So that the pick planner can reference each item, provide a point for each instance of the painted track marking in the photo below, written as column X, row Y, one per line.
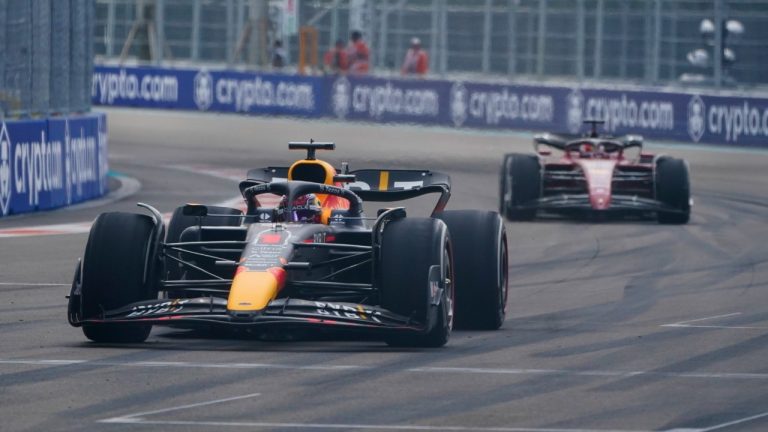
column 734, row 422
column 424, row 370
column 138, row 418
column 687, row 324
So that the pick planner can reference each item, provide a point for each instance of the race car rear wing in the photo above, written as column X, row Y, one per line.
column 373, row 185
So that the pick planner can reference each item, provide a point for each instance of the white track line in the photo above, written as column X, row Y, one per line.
column 32, row 284
column 595, row 373
column 352, row 426
column 132, row 418
column 687, row 324
column 137, row 418
column 735, row 422
column 682, row 323
column 424, row 370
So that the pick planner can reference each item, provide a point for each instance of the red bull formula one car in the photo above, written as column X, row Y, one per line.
column 595, row 174
column 315, row 261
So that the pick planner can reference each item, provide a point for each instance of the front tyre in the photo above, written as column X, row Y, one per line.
column 519, row 185
column 673, row 189
column 480, row 255
column 116, row 256
column 416, row 256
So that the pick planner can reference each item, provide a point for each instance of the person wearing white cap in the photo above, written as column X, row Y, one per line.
column 416, row 61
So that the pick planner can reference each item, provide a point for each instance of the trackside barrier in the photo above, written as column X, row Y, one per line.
column 50, row 163
column 667, row 115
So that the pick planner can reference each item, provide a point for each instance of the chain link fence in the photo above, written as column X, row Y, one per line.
column 47, row 56
column 641, row 41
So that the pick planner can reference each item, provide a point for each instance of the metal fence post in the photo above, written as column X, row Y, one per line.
column 443, row 37
column 511, row 38
column 624, row 42
column 487, row 29
column 656, row 51
column 400, row 42
column 541, row 38
column 334, row 22
column 598, row 60
column 87, row 78
column 159, row 21
column 109, row 37
column 61, row 56
column 647, row 40
column 195, row 51
column 718, row 48
column 673, row 46
column 3, row 85
column 78, row 41
column 434, row 32
column 580, row 39
column 383, row 27
column 41, row 56
column 370, row 5
column 230, row 44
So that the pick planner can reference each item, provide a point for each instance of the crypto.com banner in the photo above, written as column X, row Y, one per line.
column 204, row 90
column 52, row 163
column 677, row 116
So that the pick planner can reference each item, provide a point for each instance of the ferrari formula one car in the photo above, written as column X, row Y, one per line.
column 596, row 174
column 313, row 261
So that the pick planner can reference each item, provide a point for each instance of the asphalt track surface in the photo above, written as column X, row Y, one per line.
column 611, row 326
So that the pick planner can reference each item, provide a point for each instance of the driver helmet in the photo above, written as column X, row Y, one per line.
column 587, row 149
column 306, row 208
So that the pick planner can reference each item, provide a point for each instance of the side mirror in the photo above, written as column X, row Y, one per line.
column 197, row 210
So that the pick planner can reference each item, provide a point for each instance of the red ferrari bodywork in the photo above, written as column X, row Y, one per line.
column 594, row 172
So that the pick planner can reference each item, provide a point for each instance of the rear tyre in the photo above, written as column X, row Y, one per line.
column 409, row 250
column 673, row 188
column 179, row 222
column 480, row 254
column 519, row 184
column 115, row 260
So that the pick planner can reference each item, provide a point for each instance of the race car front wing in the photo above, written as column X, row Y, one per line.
column 582, row 202
column 280, row 313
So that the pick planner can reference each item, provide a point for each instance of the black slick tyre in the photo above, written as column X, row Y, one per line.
column 519, row 184
column 410, row 248
column 673, row 189
column 480, row 256
column 179, row 222
column 113, row 270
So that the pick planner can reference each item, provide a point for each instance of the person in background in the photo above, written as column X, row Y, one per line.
column 416, row 61
column 358, row 54
column 335, row 59
column 278, row 54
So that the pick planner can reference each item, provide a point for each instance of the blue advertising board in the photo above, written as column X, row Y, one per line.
column 656, row 114
column 204, row 90
column 387, row 100
column 51, row 163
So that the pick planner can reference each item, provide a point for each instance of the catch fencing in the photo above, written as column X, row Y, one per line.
column 47, row 56
column 639, row 41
